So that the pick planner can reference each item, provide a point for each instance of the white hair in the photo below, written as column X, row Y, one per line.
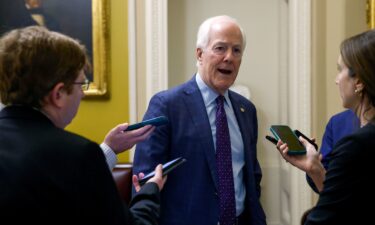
column 203, row 35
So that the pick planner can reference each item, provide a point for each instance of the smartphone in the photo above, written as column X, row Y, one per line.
column 271, row 139
column 299, row 133
column 286, row 135
column 167, row 168
column 157, row 121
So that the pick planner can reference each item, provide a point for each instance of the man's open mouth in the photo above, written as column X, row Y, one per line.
column 225, row 71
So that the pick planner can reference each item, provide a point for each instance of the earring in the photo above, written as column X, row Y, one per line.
column 356, row 91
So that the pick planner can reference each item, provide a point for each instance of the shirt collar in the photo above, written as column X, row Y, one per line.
column 208, row 94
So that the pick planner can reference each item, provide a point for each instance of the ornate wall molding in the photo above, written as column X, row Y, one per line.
column 300, row 99
column 156, row 46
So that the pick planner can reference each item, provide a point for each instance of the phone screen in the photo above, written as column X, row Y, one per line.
column 285, row 134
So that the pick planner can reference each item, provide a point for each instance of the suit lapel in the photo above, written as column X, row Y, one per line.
column 239, row 111
column 242, row 120
column 196, row 108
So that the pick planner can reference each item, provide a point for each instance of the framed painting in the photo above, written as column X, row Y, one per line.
column 85, row 20
column 100, row 35
column 370, row 12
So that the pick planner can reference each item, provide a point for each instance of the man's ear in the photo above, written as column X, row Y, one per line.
column 198, row 54
column 57, row 95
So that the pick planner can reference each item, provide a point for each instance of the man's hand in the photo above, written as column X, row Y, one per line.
column 119, row 140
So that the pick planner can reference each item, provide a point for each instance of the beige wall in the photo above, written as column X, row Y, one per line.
column 333, row 21
column 141, row 58
column 260, row 69
column 265, row 63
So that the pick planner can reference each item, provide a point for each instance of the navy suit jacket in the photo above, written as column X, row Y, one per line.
column 190, row 194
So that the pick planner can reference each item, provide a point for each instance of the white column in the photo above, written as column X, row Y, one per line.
column 132, row 88
column 299, row 81
column 156, row 46
column 132, row 43
column 156, row 20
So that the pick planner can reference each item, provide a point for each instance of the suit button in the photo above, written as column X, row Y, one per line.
column 216, row 194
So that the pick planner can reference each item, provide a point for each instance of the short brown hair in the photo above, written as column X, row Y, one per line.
column 33, row 60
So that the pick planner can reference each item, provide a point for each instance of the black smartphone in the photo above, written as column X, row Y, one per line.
column 167, row 168
column 299, row 133
column 157, row 121
column 271, row 139
column 286, row 135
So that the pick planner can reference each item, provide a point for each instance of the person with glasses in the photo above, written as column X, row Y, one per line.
column 117, row 140
column 49, row 175
column 85, row 85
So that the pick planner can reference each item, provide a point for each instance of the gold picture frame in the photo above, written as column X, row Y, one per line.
column 87, row 21
column 370, row 11
column 100, row 37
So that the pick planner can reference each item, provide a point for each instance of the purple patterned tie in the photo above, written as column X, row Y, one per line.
column 224, row 166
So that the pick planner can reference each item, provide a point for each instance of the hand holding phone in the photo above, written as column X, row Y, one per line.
column 286, row 135
column 157, row 121
column 167, row 168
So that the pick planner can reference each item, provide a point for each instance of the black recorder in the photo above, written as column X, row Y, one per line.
column 300, row 134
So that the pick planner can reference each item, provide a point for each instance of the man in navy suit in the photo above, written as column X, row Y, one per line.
column 191, row 193
column 49, row 175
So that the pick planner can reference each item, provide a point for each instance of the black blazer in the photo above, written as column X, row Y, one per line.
column 348, row 191
column 51, row 176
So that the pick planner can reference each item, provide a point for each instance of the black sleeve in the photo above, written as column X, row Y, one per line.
column 325, row 162
column 311, row 183
column 100, row 202
column 340, row 200
column 145, row 205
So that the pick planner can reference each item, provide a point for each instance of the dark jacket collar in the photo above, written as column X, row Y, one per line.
column 23, row 112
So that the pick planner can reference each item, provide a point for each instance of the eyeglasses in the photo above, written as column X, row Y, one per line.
column 84, row 85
